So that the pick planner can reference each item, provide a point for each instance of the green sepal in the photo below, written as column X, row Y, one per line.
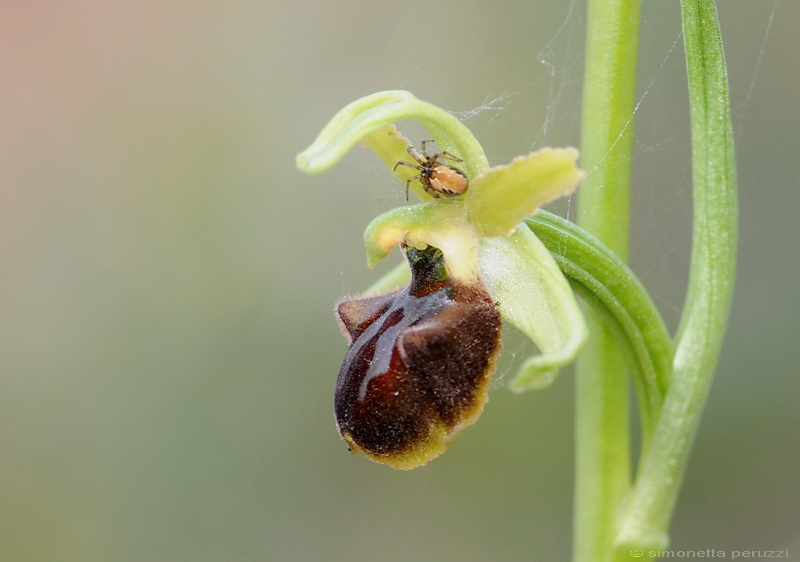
column 536, row 298
column 361, row 118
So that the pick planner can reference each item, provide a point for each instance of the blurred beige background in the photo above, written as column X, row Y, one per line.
column 167, row 345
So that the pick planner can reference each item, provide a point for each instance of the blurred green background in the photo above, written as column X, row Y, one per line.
column 168, row 350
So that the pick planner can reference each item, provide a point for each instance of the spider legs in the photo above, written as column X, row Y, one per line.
column 410, row 165
column 444, row 154
column 412, row 178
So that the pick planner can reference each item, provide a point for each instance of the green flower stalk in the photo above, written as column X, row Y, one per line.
column 483, row 245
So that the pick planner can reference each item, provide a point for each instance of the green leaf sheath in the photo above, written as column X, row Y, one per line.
column 611, row 287
column 711, row 277
column 715, row 205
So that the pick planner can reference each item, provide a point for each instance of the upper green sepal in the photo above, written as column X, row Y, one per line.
column 359, row 119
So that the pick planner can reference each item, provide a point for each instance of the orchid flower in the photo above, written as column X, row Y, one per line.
column 420, row 356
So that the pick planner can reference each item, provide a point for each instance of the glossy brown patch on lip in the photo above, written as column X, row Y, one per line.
column 419, row 364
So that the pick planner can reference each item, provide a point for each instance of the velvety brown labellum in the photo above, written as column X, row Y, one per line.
column 419, row 364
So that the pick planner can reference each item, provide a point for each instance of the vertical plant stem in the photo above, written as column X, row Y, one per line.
column 602, row 442
column 711, row 277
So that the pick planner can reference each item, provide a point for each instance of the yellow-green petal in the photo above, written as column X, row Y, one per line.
column 391, row 147
column 535, row 297
column 502, row 197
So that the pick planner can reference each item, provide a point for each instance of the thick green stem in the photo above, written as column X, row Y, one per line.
column 603, row 456
column 705, row 314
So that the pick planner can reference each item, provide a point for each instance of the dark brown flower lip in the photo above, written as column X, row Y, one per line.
column 419, row 364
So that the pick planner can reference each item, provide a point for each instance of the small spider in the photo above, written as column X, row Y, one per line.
column 438, row 179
